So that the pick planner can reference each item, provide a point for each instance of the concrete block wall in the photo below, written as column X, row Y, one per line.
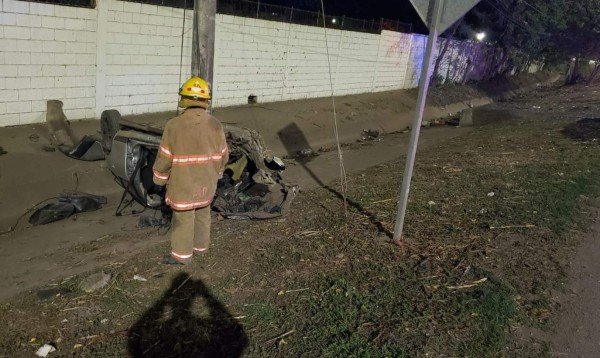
column 143, row 56
column 46, row 52
column 393, row 62
column 280, row 61
column 126, row 55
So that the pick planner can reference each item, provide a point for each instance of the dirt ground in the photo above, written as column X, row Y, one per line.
column 29, row 174
column 269, row 280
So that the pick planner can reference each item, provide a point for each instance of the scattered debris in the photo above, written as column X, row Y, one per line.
column 283, row 292
column 537, row 107
column 274, row 340
column 47, row 294
column 88, row 149
column 77, row 346
column 65, row 206
column 34, row 137
column 48, row 148
column 426, row 124
column 104, row 321
column 431, row 203
column 528, row 226
column 139, row 278
column 490, row 194
column 44, row 350
column 371, row 134
column 95, row 282
column 305, row 153
column 468, row 285
column 151, row 221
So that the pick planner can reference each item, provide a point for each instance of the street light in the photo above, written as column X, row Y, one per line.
column 480, row 36
column 334, row 21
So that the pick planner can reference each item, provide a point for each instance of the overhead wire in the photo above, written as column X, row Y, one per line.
column 181, row 54
column 510, row 19
column 343, row 178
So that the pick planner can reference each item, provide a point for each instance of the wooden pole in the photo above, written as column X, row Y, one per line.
column 203, row 47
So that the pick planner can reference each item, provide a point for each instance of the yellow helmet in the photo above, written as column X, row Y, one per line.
column 196, row 88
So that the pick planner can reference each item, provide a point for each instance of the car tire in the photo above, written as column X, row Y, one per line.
column 110, row 123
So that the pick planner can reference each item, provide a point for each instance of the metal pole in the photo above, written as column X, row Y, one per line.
column 416, row 128
column 292, row 15
column 343, row 20
column 257, row 8
column 318, row 17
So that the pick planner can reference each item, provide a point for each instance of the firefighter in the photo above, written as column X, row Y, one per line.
column 191, row 158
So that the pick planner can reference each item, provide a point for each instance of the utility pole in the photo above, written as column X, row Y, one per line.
column 203, row 43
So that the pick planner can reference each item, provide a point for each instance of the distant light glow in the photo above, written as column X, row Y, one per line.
column 592, row 62
column 480, row 36
column 334, row 21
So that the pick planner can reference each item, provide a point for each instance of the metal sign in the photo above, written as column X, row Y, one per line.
column 452, row 10
column 438, row 15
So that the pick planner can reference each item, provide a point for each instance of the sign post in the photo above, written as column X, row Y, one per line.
column 438, row 18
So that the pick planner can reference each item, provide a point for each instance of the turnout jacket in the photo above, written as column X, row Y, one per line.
column 191, row 158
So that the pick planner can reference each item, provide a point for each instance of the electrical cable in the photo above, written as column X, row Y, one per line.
column 510, row 19
column 343, row 179
column 181, row 54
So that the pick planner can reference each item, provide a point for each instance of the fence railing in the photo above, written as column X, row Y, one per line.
column 258, row 10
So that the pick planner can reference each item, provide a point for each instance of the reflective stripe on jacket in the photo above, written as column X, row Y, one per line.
column 192, row 156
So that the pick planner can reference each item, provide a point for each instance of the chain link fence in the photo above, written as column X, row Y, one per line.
column 258, row 10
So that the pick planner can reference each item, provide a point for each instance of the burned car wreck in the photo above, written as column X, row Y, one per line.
column 252, row 186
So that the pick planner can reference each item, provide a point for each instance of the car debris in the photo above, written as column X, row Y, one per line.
column 306, row 153
column 66, row 205
column 371, row 134
column 252, row 186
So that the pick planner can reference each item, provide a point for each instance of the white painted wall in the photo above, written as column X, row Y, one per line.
column 279, row 61
column 46, row 52
column 126, row 56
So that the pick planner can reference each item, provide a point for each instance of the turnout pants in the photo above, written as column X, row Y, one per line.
column 191, row 233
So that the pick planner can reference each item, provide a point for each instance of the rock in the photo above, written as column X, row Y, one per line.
column 426, row 124
column 466, row 118
column 95, row 282
column 45, row 350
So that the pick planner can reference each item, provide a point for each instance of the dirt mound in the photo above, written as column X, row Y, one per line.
column 587, row 129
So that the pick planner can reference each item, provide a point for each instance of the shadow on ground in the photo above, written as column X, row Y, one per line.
column 294, row 139
column 171, row 329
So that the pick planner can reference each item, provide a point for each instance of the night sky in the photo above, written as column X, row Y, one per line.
column 373, row 9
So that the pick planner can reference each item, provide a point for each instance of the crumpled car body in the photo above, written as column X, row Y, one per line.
column 252, row 186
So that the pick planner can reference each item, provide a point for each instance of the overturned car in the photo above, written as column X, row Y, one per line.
column 252, row 186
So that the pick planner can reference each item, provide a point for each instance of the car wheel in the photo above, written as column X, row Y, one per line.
column 110, row 123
